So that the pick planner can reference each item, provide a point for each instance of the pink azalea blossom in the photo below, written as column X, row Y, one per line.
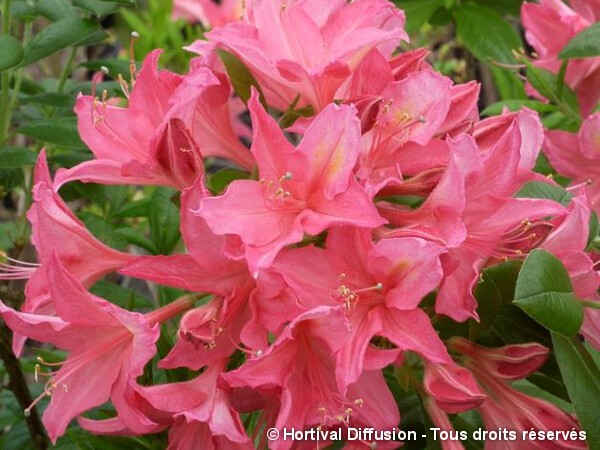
column 380, row 285
column 569, row 242
column 309, row 48
column 473, row 213
column 577, row 156
column 207, row 422
column 56, row 229
column 107, row 348
column 214, row 330
column 163, row 134
column 508, row 408
column 549, row 26
column 440, row 420
column 453, row 388
column 305, row 189
column 298, row 374
column 210, row 13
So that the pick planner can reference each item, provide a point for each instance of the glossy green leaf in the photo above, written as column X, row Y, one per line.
column 486, row 33
column 56, row 9
column 496, row 288
column 163, row 219
column 584, row 44
column 98, row 7
column 11, row 51
column 418, row 12
column 594, row 228
column 545, row 293
column 11, row 157
column 515, row 105
column 60, row 131
column 58, row 99
column 57, row 36
column 582, row 378
column 221, row 179
column 241, row 78
column 539, row 189
column 546, row 84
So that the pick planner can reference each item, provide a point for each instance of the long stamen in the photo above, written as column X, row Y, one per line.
column 16, row 269
column 132, row 66
column 350, row 297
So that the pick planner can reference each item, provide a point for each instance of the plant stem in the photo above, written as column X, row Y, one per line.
column 5, row 81
column 18, row 386
column 589, row 304
column 66, row 70
column 19, row 75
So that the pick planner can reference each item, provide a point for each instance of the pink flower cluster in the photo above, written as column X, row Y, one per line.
column 354, row 231
column 550, row 26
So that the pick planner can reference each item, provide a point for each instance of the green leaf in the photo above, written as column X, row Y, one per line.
column 56, row 9
column 12, row 157
column 57, row 99
column 103, row 230
column 120, row 295
column 594, row 228
column 220, row 180
column 584, row 44
column 539, row 189
column 163, row 219
column 582, row 378
column 241, row 78
column 97, row 7
column 515, row 105
column 57, row 36
column 11, row 51
column 512, row 7
column 418, row 12
column 134, row 237
column 60, row 131
column 546, row 83
column 545, row 293
column 11, row 178
column 497, row 288
column 486, row 33
column 508, row 84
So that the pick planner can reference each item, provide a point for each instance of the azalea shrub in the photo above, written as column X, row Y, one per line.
column 299, row 219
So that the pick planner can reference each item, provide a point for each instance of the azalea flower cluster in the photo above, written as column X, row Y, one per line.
column 550, row 25
column 354, row 229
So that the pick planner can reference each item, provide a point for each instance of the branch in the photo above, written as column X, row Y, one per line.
column 18, row 386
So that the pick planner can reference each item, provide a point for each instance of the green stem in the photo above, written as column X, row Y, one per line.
column 588, row 304
column 66, row 70
column 20, row 71
column 5, row 81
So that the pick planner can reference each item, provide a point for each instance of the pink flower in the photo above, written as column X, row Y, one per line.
column 309, row 48
column 203, row 417
column 568, row 242
column 214, row 330
column 56, row 229
column 297, row 376
column 577, row 156
column 473, row 213
column 305, row 189
column 453, row 388
column 440, row 420
column 107, row 349
column 163, row 134
column 208, row 12
column 411, row 111
column 380, row 285
column 549, row 26
column 508, row 408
